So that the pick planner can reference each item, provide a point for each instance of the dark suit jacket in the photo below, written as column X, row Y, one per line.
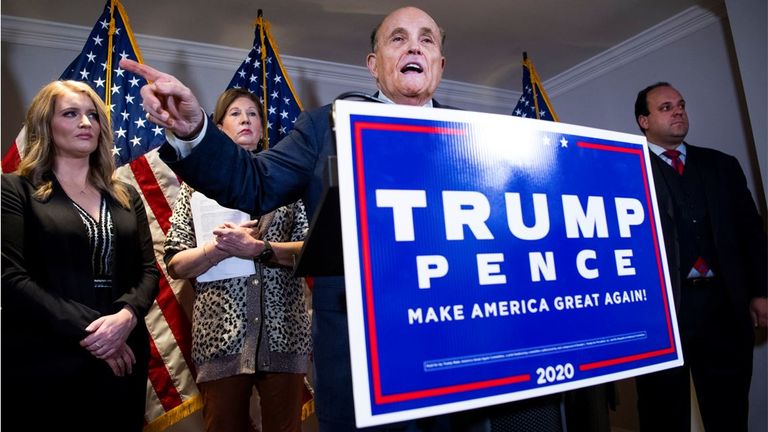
column 48, row 298
column 736, row 226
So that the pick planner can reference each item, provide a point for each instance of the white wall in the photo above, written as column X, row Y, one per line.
column 748, row 20
column 702, row 66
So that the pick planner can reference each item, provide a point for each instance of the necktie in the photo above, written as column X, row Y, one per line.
column 701, row 266
column 677, row 163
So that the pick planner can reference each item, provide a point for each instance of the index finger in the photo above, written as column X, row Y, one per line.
column 148, row 72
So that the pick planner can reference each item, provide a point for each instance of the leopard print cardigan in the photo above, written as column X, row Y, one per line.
column 247, row 324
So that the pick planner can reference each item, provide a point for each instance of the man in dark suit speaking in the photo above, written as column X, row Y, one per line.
column 716, row 250
column 407, row 63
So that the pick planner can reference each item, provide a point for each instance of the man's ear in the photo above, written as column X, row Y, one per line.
column 370, row 62
column 643, row 122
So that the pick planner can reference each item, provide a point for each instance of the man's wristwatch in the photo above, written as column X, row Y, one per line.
column 266, row 254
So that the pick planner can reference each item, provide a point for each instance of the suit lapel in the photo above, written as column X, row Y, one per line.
column 661, row 171
column 663, row 192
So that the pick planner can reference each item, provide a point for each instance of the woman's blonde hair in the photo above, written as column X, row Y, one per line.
column 39, row 153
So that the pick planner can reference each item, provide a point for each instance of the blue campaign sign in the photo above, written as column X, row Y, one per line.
column 491, row 258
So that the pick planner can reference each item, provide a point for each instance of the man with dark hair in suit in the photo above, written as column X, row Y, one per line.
column 716, row 250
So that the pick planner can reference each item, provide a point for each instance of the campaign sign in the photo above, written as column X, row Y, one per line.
column 490, row 258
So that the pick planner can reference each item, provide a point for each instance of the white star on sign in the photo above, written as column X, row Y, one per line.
column 563, row 142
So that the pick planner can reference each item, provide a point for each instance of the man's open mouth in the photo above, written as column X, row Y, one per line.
column 412, row 67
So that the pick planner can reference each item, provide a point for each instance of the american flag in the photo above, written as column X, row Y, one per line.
column 263, row 74
column 171, row 390
column 533, row 103
column 98, row 65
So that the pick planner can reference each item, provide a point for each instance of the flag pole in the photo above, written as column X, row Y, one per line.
column 260, row 25
column 110, row 35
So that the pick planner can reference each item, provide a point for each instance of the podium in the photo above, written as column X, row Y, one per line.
column 322, row 253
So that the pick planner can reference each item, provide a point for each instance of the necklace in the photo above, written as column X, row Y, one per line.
column 82, row 190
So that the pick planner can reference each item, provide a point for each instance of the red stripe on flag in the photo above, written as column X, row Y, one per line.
column 11, row 159
column 161, row 380
column 177, row 321
column 152, row 192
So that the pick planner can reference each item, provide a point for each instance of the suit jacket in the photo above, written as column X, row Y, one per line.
column 736, row 226
column 47, row 281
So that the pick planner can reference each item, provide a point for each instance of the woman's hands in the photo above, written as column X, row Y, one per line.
column 238, row 240
column 107, row 338
column 122, row 361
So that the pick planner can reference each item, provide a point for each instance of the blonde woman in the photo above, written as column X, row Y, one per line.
column 78, row 274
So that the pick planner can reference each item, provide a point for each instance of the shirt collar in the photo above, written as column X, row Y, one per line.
column 659, row 150
column 384, row 98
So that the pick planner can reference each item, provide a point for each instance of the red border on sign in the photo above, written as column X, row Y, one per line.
column 380, row 398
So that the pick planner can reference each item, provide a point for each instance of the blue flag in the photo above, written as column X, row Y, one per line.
column 263, row 74
column 533, row 103
column 110, row 41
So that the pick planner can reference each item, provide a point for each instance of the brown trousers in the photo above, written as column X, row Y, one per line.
column 227, row 401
